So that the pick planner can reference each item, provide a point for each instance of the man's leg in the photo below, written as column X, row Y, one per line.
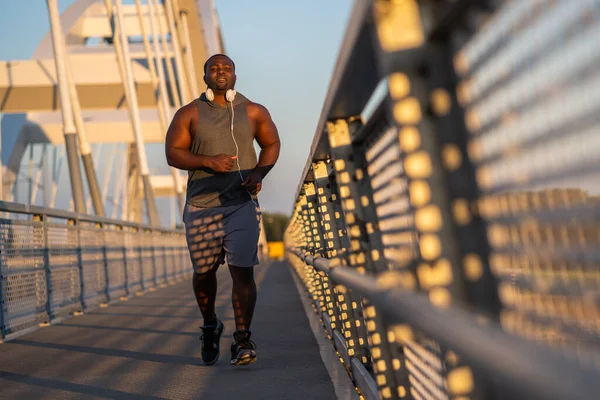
column 243, row 296
column 241, row 245
column 204, row 234
column 205, row 290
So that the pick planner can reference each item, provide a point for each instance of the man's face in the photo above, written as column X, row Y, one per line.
column 220, row 75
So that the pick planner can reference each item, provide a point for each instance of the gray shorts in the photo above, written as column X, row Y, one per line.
column 219, row 234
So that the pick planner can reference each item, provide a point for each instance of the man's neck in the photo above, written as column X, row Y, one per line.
column 220, row 98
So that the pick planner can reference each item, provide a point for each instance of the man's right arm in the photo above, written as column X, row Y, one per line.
column 179, row 139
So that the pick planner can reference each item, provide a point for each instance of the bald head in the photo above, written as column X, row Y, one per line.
column 217, row 56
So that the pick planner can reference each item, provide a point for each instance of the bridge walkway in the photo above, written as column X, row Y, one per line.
column 147, row 348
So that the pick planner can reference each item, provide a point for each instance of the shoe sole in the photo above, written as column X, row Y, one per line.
column 212, row 362
column 245, row 359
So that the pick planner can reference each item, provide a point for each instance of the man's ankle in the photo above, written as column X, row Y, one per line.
column 242, row 335
column 211, row 322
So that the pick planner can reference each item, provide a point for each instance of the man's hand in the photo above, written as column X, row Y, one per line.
column 253, row 182
column 222, row 163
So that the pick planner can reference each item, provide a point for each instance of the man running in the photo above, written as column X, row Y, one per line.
column 213, row 139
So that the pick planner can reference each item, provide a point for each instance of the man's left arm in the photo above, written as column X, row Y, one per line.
column 267, row 138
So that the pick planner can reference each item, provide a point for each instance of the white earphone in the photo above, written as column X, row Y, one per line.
column 230, row 96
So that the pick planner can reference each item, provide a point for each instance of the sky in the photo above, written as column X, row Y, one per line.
column 284, row 52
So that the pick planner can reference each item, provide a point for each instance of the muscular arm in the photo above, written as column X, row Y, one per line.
column 179, row 139
column 268, row 140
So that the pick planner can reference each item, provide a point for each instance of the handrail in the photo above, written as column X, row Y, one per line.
column 19, row 208
column 531, row 368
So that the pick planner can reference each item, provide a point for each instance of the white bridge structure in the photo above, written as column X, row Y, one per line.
column 84, row 120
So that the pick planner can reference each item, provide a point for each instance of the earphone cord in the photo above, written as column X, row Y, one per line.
column 237, row 152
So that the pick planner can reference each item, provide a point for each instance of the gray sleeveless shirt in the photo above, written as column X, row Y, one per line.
column 205, row 187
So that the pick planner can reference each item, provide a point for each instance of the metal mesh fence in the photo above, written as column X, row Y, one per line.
column 54, row 264
column 24, row 290
column 91, row 238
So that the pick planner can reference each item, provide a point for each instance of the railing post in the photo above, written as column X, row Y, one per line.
column 139, row 243
column 164, row 256
column 124, row 251
column 2, row 300
column 184, row 255
column 172, row 256
column 80, row 264
column 168, row 262
column 42, row 218
column 105, row 258
column 153, row 250
column 178, row 258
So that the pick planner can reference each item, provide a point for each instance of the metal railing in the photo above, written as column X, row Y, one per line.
column 446, row 223
column 55, row 263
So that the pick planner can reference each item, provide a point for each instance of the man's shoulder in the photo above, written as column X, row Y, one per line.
column 256, row 110
column 189, row 110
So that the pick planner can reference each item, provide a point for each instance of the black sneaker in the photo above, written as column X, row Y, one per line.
column 243, row 350
column 211, row 335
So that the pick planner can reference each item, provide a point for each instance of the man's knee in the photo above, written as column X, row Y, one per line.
column 206, row 272
column 242, row 274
